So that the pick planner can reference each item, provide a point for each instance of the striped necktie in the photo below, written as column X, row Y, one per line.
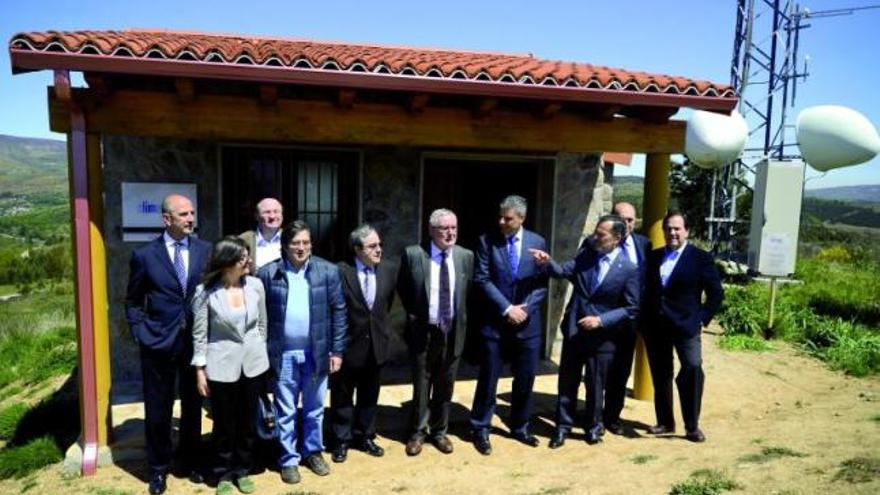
column 179, row 266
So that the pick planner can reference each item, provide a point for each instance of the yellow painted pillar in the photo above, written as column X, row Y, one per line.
column 656, row 203
column 100, row 302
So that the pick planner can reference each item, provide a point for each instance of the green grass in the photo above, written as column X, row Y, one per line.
column 17, row 462
column 36, row 356
column 739, row 342
column 833, row 314
column 859, row 470
column 768, row 454
column 642, row 458
column 705, row 482
column 9, row 419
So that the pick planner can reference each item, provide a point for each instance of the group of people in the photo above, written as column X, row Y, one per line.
column 260, row 312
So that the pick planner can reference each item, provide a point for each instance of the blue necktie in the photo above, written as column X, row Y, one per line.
column 512, row 255
column 369, row 292
column 444, row 310
column 179, row 266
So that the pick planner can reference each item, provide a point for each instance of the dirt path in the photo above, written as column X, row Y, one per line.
column 752, row 401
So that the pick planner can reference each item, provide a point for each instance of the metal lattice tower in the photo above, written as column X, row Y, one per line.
column 764, row 72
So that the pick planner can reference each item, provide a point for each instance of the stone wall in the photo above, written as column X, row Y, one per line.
column 581, row 198
column 131, row 159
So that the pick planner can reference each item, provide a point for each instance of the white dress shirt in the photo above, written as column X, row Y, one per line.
column 605, row 263
column 629, row 245
column 169, row 246
column 670, row 259
column 268, row 250
column 434, row 299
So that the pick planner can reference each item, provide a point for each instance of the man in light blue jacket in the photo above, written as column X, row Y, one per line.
column 306, row 341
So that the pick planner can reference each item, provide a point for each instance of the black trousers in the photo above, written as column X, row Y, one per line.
column 619, row 371
column 690, row 377
column 161, row 372
column 581, row 362
column 234, row 406
column 434, row 371
column 347, row 419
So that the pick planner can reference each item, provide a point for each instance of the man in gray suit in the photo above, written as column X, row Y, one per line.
column 433, row 285
column 605, row 297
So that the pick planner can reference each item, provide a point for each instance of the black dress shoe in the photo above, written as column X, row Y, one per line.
column 340, row 453
column 482, row 445
column 192, row 474
column 696, row 435
column 593, row 437
column 614, row 428
column 661, row 429
column 369, row 446
column 527, row 438
column 157, row 484
column 557, row 441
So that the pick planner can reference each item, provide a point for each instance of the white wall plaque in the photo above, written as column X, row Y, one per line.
column 142, row 207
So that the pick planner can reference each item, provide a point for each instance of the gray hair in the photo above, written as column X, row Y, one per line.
column 436, row 215
column 518, row 204
column 618, row 226
column 357, row 236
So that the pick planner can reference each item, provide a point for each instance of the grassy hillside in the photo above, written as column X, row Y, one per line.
column 853, row 194
column 32, row 166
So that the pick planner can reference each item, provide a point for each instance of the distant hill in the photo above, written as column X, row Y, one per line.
column 29, row 165
column 849, row 194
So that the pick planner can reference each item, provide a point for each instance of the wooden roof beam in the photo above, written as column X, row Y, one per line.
column 186, row 89
column 485, row 107
column 243, row 118
column 418, row 102
column 345, row 98
column 268, row 95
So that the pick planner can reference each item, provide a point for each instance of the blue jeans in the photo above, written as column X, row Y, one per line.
column 298, row 378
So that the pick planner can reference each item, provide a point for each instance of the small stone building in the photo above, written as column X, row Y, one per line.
column 341, row 134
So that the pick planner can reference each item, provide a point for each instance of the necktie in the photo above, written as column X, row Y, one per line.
column 369, row 287
column 179, row 266
column 600, row 271
column 512, row 255
column 444, row 310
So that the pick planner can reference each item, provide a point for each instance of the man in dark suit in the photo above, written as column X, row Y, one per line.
column 675, row 313
column 163, row 276
column 368, row 286
column 605, row 298
column 433, row 285
column 514, row 287
column 636, row 248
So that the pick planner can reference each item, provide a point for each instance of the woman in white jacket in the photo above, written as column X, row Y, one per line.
column 229, row 353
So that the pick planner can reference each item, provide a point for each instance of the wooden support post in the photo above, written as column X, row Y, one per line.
column 656, row 202
column 79, row 198
column 100, row 301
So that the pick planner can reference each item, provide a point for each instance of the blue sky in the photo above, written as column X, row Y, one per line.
column 693, row 39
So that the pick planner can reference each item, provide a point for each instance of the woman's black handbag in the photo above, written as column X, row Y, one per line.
column 266, row 418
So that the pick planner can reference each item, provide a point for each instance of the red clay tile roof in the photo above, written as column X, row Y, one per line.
column 295, row 55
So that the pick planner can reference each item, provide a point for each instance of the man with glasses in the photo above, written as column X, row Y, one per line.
column 433, row 285
column 368, row 287
column 306, row 341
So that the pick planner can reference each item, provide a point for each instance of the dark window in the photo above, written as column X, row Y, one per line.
column 319, row 187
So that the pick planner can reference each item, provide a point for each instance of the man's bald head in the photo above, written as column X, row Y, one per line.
column 627, row 212
column 178, row 215
column 270, row 215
